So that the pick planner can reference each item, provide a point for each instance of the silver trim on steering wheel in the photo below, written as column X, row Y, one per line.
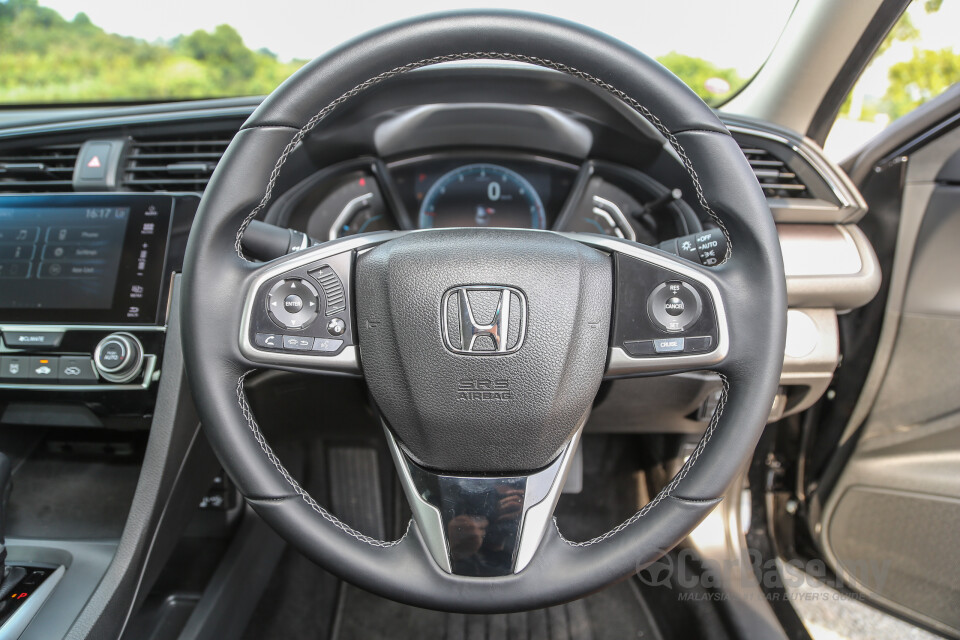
column 540, row 495
column 348, row 360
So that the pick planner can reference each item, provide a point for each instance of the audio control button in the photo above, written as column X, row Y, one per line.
column 293, row 303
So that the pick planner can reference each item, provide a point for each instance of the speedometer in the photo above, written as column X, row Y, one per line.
column 482, row 195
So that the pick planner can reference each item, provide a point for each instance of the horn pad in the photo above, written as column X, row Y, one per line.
column 483, row 348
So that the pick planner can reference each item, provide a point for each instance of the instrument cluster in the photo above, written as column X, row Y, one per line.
column 492, row 190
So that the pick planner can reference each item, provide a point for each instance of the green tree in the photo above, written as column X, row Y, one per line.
column 697, row 74
column 223, row 52
column 46, row 58
column 920, row 79
column 915, row 81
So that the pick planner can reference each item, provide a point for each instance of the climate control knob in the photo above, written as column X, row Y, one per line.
column 118, row 357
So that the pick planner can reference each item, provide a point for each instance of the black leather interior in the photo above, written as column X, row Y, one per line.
column 751, row 282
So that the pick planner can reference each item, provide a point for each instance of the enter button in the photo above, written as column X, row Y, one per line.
column 668, row 345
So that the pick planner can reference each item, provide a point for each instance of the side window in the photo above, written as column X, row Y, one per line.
column 917, row 61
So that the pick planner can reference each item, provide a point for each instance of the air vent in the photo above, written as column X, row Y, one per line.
column 774, row 175
column 48, row 168
column 173, row 164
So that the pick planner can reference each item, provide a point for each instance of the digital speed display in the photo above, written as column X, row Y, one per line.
column 482, row 195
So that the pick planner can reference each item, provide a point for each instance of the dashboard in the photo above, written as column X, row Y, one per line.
column 89, row 250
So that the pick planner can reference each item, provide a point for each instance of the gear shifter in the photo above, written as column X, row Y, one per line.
column 10, row 575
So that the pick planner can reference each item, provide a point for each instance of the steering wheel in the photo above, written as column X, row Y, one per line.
column 483, row 349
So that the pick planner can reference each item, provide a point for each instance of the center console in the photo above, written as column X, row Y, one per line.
column 99, row 443
column 84, row 296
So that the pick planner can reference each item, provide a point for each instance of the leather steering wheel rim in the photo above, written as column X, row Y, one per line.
column 750, row 281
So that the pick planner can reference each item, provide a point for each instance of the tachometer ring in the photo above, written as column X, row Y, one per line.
column 426, row 218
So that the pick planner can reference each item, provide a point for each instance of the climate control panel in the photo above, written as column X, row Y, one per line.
column 78, row 358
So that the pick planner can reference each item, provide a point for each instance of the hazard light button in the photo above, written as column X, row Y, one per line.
column 93, row 163
column 97, row 165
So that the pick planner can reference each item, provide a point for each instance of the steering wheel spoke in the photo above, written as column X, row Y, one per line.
column 298, row 310
column 669, row 315
column 482, row 526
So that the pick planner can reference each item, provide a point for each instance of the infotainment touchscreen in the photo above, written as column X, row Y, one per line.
column 82, row 258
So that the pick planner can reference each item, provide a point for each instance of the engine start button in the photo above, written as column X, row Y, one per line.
column 674, row 305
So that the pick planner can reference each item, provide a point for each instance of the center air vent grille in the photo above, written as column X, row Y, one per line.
column 776, row 178
column 48, row 168
column 166, row 164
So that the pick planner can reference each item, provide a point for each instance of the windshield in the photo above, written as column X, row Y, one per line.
column 65, row 51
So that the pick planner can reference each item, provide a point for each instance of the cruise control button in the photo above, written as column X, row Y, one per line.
column 268, row 340
column 76, row 370
column 668, row 345
column 326, row 344
column 32, row 339
column 297, row 343
column 44, row 368
column 14, row 367
column 674, row 306
column 698, row 343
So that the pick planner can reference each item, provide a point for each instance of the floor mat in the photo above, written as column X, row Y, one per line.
column 615, row 613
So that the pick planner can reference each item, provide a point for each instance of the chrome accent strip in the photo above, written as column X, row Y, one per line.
column 348, row 210
column 535, row 519
column 852, row 205
column 427, row 516
column 149, row 372
column 498, row 330
column 348, row 360
column 614, row 210
column 79, row 327
column 620, row 363
column 17, row 622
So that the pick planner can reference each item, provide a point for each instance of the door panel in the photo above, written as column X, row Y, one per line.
column 890, row 524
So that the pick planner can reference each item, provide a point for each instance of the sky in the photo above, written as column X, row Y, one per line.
column 711, row 29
